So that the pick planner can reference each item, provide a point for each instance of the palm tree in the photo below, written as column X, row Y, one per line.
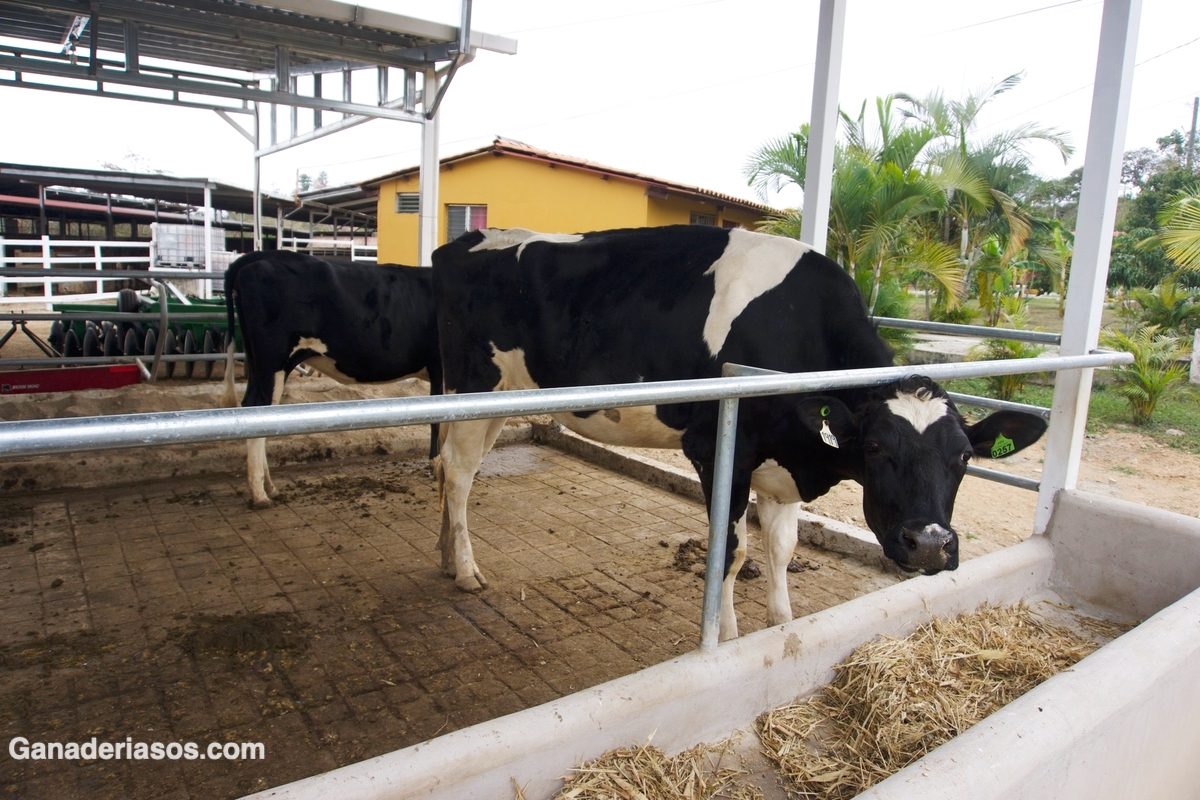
column 878, row 201
column 1180, row 231
column 1156, row 367
column 984, row 177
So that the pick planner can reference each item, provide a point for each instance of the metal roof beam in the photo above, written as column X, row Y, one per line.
column 143, row 80
column 99, row 91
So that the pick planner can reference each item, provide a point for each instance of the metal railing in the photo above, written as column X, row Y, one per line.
column 44, row 437
column 358, row 252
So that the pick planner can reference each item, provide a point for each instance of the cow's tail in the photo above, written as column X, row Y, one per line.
column 439, row 469
column 229, row 398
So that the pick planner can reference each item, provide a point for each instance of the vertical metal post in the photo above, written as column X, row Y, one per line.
column 295, row 110
column 43, row 225
column 718, row 524
column 208, row 214
column 257, row 182
column 427, row 235
column 132, row 57
column 278, row 227
column 316, row 93
column 274, row 117
column 345, row 89
column 822, row 129
column 410, row 90
column 381, row 84
column 1093, row 241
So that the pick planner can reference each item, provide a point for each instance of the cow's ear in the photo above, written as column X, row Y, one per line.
column 829, row 418
column 1004, row 433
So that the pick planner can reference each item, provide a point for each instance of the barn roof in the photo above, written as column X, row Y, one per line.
column 19, row 182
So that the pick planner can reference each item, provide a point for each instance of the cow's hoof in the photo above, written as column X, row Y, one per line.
column 470, row 583
column 259, row 505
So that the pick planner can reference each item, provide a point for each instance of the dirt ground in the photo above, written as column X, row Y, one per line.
column 144, row 599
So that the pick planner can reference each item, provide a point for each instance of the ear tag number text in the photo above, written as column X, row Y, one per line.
column 827, row 435
column 1002, row 446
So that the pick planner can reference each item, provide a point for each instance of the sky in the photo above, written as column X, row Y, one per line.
column 684, row 90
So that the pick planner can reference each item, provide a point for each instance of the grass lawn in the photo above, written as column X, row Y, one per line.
column 1179, row 411
column 1043, row 314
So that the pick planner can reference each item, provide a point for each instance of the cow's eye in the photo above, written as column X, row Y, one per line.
column 871, row 448
column 966, row 456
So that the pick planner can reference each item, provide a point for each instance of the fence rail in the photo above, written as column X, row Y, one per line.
column 358, row 252
column 44, row 437
column 49, row 259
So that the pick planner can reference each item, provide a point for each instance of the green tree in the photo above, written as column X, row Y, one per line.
column 1155, row 371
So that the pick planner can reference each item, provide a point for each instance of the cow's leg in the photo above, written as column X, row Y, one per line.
column 778, row 524
column 262, row 488
column 729, row 627
column 464, row 446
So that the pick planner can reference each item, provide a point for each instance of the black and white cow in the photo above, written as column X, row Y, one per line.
column 518, row 310
column 355, row 322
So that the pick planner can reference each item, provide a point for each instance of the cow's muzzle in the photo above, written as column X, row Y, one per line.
column 929, row 549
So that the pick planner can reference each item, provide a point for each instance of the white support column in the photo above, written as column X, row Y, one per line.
column 208, row 220
column 258, row 245
column 427, row 236
column 822, row 131
column 1093, row 241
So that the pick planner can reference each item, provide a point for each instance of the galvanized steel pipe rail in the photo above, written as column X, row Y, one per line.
column 44, row 437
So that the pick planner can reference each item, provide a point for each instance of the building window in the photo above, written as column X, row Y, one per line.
column 462, row 219
column 703, row 219
column 728, row 223
column 408, row 203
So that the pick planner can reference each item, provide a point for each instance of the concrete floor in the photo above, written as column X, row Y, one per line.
column 322, row 627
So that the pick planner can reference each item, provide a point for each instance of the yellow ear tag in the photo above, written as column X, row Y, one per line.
column 827, row 435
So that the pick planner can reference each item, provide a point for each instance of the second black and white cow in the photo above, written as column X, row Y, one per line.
column 355, row 322
column 518, row 310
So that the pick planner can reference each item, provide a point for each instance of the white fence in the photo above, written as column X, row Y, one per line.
column 48, row 254
column 332, row 247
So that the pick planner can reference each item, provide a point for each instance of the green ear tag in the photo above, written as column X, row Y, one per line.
column 824, row 411
column 1002, row 446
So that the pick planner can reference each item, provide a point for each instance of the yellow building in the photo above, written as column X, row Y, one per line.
column 512, row 185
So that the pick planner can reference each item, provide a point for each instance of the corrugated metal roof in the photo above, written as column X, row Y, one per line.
column 23, row 179
column 237, row 35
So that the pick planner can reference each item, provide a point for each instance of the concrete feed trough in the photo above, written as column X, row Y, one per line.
column 1119, row 724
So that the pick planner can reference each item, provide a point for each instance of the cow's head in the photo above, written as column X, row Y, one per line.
column 908, row 446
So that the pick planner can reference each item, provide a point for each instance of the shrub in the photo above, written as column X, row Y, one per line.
column 1155, row 370
column 1006, row 387
column 1168, row 306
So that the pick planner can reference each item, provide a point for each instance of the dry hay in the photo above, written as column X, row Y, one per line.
column 646, row 773
column 894, row 700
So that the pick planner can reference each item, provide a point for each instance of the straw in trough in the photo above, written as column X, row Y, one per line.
column 894, row 700
column 647, row 773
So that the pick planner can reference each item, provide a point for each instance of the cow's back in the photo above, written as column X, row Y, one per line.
column 646, row 304
column 375, row 321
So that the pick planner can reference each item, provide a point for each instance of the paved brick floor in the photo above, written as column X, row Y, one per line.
column 322, row 626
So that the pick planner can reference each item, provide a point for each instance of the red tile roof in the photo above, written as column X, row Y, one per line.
column 501, row 146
